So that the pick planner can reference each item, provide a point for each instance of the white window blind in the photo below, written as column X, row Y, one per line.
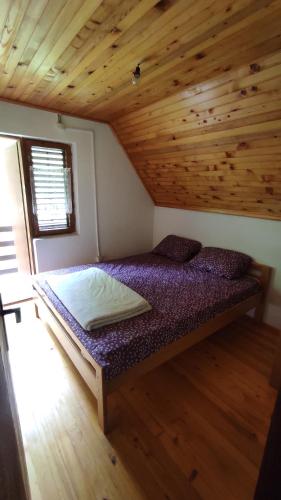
column 49, row 174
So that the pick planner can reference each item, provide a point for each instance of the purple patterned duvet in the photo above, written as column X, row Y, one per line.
column 182, row 299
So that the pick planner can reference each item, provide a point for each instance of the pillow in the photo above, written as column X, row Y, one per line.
column 227, row 263
column 177, row 248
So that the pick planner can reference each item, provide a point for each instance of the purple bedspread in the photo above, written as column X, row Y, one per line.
column 182, row 299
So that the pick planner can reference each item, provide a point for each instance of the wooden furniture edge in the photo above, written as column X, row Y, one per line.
column 188, row 340
column 263, row 273
column 93, row 373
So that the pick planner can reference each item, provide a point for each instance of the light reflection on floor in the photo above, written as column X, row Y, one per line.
column 40, row 369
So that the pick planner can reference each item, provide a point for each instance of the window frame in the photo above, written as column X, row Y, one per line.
column 26, row 145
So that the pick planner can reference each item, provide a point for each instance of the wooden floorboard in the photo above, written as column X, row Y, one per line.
column 194, row 428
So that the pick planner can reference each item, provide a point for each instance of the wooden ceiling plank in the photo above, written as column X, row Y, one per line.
column 103, row 60
column 272, row 44
column 151, row 163
column 50, row 29
column 5, row 9
column 226, row 183
column 218, row 198
column 153, row 31
column 147, row 42
column 106, row 34
column 70, row 20
column 13, row 20
column 212, row 205
column 222, row 211
column 140, row 10
column 231, row 197
column 217, row 122
column 250, row 54
column 240, row 132
column 229, row 153
column 200, row 28
column 256, row 105
column 186, row 97
column 220, row 162
column 172, row 63
column 48, row 17
column 211, row 192
column 76, row 24
column 245, row 175
column 207, row 171
column 190, row 197
column 21, row 39
column 229, row 144
column 144, row 50
column 201, row 132
column 215, row 200
column 226, row 143
column 224, row 96
column 93, row 32
column 235, row 174
column 90, row 35
column 184, row 184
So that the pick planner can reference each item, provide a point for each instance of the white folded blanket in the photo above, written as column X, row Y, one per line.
column 96, row 299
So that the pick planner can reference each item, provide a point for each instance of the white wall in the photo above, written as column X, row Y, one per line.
column 124, row 207
column 258, row 237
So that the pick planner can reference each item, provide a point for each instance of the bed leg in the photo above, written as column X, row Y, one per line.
column 102, row 404
column 259, row 311
column 102, row 414
column 265, row 281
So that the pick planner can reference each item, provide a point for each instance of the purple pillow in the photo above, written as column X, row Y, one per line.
column 177, row 248
column 227, row 263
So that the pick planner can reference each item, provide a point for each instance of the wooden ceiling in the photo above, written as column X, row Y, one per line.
column 203, row 125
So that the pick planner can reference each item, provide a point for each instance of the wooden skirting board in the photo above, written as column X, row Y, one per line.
column 93, row 373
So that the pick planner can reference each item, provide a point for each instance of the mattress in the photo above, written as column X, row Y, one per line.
column 181, row 297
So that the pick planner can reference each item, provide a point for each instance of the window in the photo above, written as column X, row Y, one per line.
column 49, row 188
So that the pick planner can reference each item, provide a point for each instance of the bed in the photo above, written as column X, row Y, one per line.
column 187, row 306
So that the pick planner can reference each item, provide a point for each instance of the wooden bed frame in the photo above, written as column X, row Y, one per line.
column 93, row 373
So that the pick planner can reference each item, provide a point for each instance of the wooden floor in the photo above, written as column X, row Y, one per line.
column 194, row 428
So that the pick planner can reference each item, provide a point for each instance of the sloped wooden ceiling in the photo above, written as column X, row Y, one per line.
column 203, row 125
